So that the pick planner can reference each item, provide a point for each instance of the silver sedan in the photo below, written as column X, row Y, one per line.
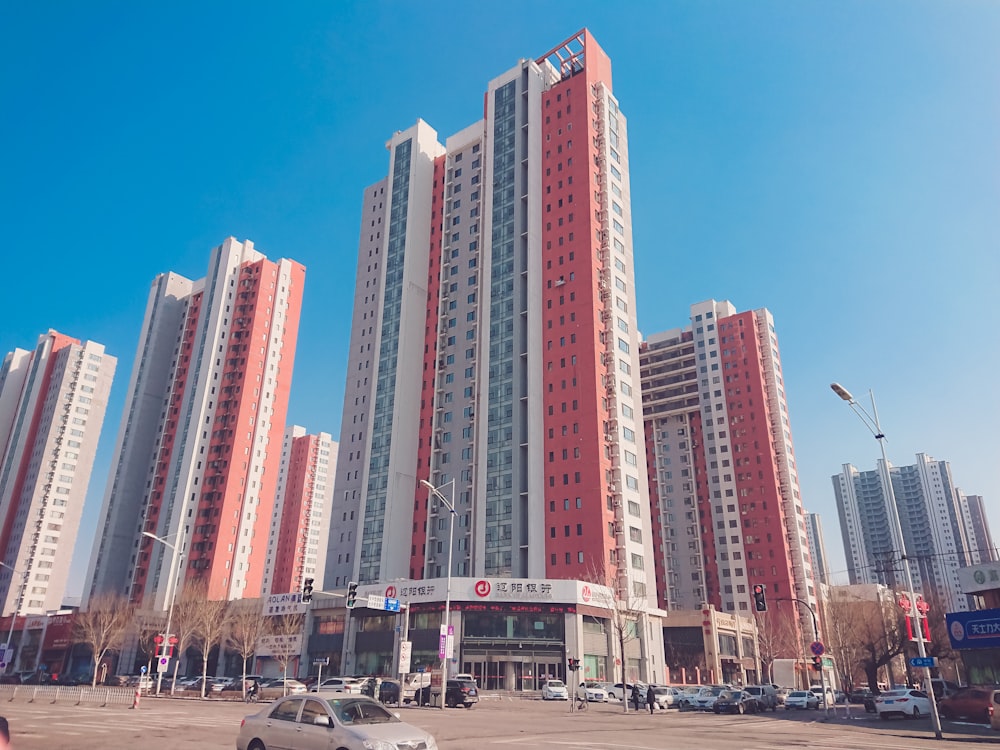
column 320, row 722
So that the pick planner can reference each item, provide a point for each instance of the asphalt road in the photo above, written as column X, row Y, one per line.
column 497, row 724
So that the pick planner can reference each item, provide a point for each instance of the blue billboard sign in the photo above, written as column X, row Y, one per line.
column 980, row 629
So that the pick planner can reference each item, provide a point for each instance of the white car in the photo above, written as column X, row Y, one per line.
column 317, row 721
column 906, row 703
column 706, row 698
column 554, row 690
column 801, row 699
column 665, row 697
column 592, row 692
column 618, row 691
column 350, row 685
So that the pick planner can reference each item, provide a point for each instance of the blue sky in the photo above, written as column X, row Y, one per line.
column 837, row 163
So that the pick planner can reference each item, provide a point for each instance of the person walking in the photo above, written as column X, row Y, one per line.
column 650, row 698
column 636, row 696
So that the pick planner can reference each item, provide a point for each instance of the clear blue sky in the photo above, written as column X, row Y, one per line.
column 837, row 163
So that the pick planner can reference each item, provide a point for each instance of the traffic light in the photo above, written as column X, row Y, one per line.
column 574, row 665
column 307, row 590
column 352, row 594
column 759, row 602
column 817, row 664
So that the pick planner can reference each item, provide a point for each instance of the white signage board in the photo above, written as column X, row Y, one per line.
column 405, row 654
column 285, row 604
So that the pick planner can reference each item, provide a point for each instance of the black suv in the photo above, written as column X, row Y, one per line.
column 458, row 693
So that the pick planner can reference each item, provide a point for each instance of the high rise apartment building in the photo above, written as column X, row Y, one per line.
column 52, row 405
column 300, row 521
column 199, row 446
column 817, row 549
column 930, row 518
column 977, row 528
column 494, row 345
column 723, row 481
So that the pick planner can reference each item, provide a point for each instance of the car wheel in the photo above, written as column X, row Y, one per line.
column 916, row 712
column 469, row 705
column 883, row 717
column 944, row 713
column 256, row 745
column 740, row 709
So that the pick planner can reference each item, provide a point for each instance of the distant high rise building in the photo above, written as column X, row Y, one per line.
column 722, row 476
column 197, row 456
column 977, row 528
column 494, row 345
column 52, row 405
column 300, row 522
column 817, row 548
column 931, row 520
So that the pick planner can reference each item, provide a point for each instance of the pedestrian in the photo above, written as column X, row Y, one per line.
column 650, row 698
column 636, row 696
column 4, row 734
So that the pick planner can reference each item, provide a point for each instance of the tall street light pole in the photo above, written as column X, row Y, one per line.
column 450, row 505
column 171, row 596
column 17, row 606
column 871, row 421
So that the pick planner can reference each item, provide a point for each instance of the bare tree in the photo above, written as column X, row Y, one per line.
column 210, row 622
column 148, row 625
column 184, row 622
column 285, row 631
column 869, row 633
column 625, row 609
column 775, row 637
column 247, row 625
column 103, row 626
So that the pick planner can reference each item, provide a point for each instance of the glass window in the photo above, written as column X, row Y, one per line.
column 286, row 710
column 311, row 710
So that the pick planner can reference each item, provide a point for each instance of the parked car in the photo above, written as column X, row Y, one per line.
column 348, row 721
column 904, row 702
column 818, row 691
column 458, row 693
column 736, row 702
column 279, row 687
column 687, row 695
column 995, row 713
column 389, row 692
column 554, row 690
column 766, row 695
column 782, row 693
column 350, row 685
column 705, row 699
column 592, row 692
column 801, row 699
column 943, row 688
column 414, row 682
column 860, row 695
column 664, row 695
column 975, row 704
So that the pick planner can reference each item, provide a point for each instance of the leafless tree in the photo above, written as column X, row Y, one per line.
column 869, row 631
column 147, row 626
column 775, row 637
column 625, row 609
column 184, row 622
column 247, row 625
column 283, row 630
column 210, row 623
column 103, row 626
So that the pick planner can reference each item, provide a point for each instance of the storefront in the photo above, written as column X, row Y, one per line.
column 511, row 634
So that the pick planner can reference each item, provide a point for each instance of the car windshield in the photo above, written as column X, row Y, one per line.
column 555, row 683
column 716, row 691
column 754, row 690
column 357, row 711
column 800, row 694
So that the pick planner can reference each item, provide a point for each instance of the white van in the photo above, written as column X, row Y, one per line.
column 414, row 682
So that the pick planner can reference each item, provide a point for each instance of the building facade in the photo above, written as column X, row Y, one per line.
column 52, row 405
column 817, row 548
column 977, row 528
column 931, row 520
column 722, row 477
column 494, row 348
column 296, row 547
column 198, row 451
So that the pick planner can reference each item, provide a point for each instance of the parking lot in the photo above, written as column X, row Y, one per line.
column 496, row 721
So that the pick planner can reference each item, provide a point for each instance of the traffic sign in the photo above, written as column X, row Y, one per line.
column 163, row 664
column 405, row 655
column 392, row 605
column 374, row 601
column 817, row 648
column 923, row 661
column 142, row 669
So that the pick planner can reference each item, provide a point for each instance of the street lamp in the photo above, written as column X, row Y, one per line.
column 171, row 596
column 17, row 606
column 450, row 505
column 871, row 421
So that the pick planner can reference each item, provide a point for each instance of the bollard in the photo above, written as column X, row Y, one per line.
column 135, row 697
column 55, row 698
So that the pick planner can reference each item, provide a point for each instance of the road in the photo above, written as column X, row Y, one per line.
column 501, row 724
